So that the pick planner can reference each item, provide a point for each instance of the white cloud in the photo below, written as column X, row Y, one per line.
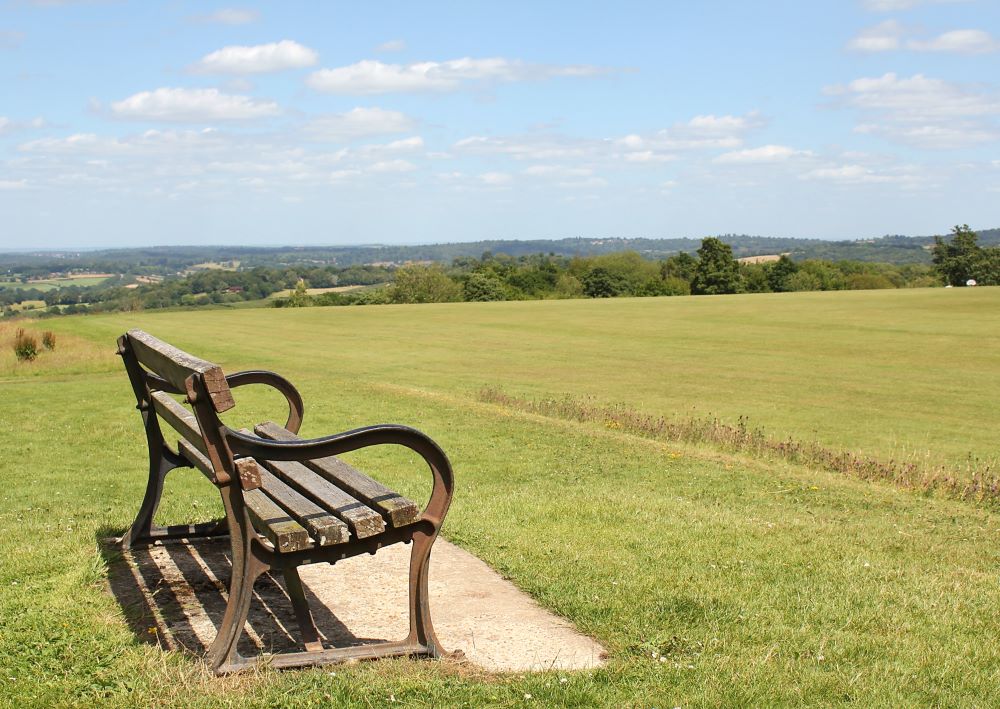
column 191, row 105
column 526, row 147
column 8, row 125
column 763, row 154
column 229, row 16
column 257, row 59
column 703, row 132
column 856, row 174
column 393, row 45
column 557, row 171
column 891, row 36
column 374, row 77
column 893, row 5
column 883, row 37
column 358, row 123
column 958, row 41
column 13, row 184
column 648, row 156
column 921, row 110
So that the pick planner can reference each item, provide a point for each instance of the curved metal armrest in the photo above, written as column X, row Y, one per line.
column 275, row 381
column 382, row 434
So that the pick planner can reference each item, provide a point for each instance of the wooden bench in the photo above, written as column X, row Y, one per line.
column 288, row 501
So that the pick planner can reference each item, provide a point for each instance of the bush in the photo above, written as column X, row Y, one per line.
column 49, row 340
column 25, row 346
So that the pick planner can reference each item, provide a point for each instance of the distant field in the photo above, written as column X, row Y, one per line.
column 53, row 283
column 758, row 582
column 317, row 291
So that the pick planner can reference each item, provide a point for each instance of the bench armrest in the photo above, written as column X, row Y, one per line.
column 382, row 434
column 275, row 381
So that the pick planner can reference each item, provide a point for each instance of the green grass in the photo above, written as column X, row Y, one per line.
column 53, row 283
column 764, row 584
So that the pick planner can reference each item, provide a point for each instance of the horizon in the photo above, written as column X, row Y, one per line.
column 339, row 126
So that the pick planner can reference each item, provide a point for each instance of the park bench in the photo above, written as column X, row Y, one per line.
column 288, row 501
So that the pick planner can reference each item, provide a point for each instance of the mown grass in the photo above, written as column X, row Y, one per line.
column 762, row 583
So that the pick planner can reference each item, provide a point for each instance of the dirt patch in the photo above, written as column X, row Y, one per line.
column 175, row 595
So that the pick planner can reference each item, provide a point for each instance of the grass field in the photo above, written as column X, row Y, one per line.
column 762, row 582
column 53, row 283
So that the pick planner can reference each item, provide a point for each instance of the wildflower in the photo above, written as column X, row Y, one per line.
column 527, row 696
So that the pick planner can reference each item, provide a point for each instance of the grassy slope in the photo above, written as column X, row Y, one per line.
column 767, row 584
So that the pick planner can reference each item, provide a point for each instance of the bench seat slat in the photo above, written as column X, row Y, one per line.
column 362, row 520
column 182, row 420
column 395, row 508
column 176, row 366
column 323, row 527
column 274, row 523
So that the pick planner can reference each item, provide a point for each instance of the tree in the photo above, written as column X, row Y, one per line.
column 424, row 284
column 717, row 271
column 780, row 272
column 483, row 286
column 959, row 259
column 602, row 283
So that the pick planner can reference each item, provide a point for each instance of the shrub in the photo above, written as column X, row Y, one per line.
column 25, row 345
column 49, row 340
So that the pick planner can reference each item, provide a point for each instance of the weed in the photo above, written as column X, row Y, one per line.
column 978, row 483
column 25, row 345
column 49, row 340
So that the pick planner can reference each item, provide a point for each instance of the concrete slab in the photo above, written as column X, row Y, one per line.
column 174, row 595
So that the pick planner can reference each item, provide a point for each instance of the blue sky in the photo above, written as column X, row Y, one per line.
column 136, row 123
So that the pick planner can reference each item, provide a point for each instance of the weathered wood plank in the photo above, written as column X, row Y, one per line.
column 396, row 509
column 197, row 459
column 182, row 420
column 325, row 528
column 274, row 523
column 363, row 521
column 176, row 366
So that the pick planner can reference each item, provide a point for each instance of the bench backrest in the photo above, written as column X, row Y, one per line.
column 177, row 367
column 156, row 370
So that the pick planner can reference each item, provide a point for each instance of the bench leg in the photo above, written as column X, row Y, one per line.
column 310, row 635
column 161, row 462
column 421, row 628
column 223, row 656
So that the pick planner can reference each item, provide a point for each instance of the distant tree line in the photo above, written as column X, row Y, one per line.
column 712, row 271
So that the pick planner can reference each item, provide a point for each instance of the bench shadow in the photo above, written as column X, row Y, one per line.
column 174, row 595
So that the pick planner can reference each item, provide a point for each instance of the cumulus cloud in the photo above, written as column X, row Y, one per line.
column 857, row 174
column 191, row 105
column 374, row 77
column 358, row 123
column 229, row 16
column 891, row 36
column 257, row 59
column 8, row 125
column 922, row 111
column 883, row 37
column 763, row 154
column 703, row 132
column 958, row 41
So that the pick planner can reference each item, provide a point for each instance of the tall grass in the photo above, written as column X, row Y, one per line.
column 978, row 482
